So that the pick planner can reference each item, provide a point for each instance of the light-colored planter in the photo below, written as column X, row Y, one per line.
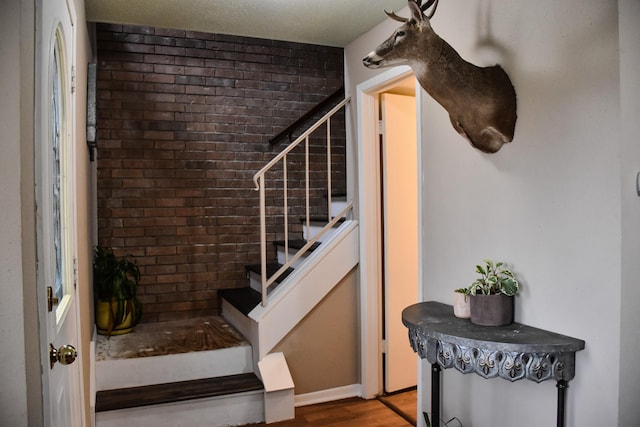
column 461, row 305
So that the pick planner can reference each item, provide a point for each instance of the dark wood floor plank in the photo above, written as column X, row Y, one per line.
column 344, row 413
column 404, row 403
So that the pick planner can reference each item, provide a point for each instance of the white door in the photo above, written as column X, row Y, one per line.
column 400, row 233
column 56, row 239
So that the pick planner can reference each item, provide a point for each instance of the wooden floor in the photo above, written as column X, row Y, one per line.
column 397, row 410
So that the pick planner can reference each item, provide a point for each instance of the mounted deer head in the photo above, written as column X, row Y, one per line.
column 481, row 101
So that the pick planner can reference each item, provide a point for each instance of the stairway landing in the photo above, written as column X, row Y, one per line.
column 172, row 337
column 173, row 351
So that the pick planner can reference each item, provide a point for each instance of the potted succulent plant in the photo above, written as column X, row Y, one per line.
column 115, row 284
column 492, row 294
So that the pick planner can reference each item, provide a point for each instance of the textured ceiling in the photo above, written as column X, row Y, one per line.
column 323, row 22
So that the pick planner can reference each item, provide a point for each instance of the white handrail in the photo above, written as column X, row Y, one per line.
column 298, row 140
column 259, row 181
column 308, row 245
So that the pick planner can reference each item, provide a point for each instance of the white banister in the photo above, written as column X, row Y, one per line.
column 259, row 181
column 298, row 140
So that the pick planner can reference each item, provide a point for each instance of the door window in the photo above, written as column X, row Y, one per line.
column 56, row 127
column 59, row 155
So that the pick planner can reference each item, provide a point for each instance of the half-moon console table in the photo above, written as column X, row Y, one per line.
column 511, row 352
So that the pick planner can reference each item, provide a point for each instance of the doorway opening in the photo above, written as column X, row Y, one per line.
column 381, row 200
column 399, row 230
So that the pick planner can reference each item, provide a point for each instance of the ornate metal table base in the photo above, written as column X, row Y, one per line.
column 510, row 352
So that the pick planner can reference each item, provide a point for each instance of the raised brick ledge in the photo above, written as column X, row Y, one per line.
column 133, row 397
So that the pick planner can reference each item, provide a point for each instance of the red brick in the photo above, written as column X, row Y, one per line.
column 184, row 122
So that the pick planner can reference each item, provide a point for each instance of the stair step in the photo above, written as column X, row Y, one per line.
column 271, row 270
column 246, row 299
column 243, row 299
column 338, row 195
column 296, row 244
column 133, row 397
column 283, row 256
column 316, row 224
column 272, row 267
column 254, row 274
column 320, row 219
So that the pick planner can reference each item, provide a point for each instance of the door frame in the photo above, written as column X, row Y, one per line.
column 369, row 185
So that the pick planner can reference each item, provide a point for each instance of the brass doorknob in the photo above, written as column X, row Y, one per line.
column 66, row 355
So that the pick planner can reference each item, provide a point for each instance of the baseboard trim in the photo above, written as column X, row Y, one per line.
column 329, row 395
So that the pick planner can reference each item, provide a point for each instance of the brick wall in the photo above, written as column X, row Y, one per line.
column 184, row 120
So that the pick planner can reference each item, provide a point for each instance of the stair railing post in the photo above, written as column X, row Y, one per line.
column 263, row 240
column 286, row 208
column 329, row 169
column 306, row 175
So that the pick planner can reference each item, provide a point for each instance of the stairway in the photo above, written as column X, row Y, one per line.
column 158, row 378
column 177, row 373
column 197, row 372
column 298, row 290
column 238, row 303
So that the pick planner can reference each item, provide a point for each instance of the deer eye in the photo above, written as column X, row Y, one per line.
column 400, row 34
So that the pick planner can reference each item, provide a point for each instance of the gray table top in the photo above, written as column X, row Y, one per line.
column 436, row 320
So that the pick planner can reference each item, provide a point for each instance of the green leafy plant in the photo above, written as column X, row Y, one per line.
column 465, row 291
column 494, row 279
column 114, row 277
column 115, row 280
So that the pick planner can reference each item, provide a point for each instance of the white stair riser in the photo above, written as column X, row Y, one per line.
column 292, row 251
column 337, row 206
column 139, row 371
column 255, row 282
column 314, row 229
column 245, row 325
column 230, row 410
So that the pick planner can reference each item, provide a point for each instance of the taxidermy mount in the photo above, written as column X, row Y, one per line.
column 481, row 101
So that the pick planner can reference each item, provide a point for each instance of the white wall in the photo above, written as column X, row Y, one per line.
column 355, row 73
column 20, row 402
column 629, row 12
column 549, row 203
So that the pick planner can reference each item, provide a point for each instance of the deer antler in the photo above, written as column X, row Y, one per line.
column 395, row 17
column 423, row 8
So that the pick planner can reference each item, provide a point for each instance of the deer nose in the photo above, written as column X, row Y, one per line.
column 372, row 60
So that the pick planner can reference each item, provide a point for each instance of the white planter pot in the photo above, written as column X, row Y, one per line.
column 461, row 305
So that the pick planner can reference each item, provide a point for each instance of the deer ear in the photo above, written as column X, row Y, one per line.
column 416, row 13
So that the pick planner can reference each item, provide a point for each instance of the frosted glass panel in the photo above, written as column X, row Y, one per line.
column 56, row 127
